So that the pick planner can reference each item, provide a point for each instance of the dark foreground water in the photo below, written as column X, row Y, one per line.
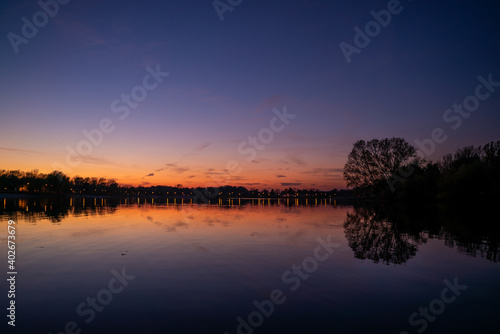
column 261, row 267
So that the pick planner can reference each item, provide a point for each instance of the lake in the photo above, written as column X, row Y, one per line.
column 248, row 266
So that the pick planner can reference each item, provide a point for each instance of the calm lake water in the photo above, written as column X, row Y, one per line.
column 257, row 267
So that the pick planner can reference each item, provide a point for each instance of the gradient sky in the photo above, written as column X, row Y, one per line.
column 225, row 78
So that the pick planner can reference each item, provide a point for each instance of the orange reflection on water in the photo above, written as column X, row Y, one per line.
column 176, row 231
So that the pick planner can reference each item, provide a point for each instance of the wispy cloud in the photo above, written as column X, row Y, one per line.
column 293, row 157
column 97, row 161
column 181, row 170
column 271, row 102
column 201, row 147
column 280, row 175
column 175, row 168
column 170, row 166
column 211, row 171
column 20, row 151
column 326, row 173
column 290, row 184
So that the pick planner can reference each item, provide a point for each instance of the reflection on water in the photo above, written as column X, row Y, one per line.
column 373, row 237
column 375, row 233
column 390, row 235
column 56, row 209
column 198, row 268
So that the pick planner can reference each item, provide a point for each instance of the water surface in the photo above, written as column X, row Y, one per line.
column 198, row 268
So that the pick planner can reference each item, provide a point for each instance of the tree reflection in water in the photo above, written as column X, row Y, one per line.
column 473, row 229
column 392, row 235
column 376, row 238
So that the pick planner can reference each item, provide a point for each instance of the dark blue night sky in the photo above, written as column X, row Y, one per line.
column 226, row 77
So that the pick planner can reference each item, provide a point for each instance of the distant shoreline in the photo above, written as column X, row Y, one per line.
column 17, row 195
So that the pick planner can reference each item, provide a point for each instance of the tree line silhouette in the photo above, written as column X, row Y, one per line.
column 391, row 169
column 388, row 169
column 57, row 182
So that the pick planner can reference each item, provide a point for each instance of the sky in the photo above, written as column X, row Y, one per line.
column 260, row 94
